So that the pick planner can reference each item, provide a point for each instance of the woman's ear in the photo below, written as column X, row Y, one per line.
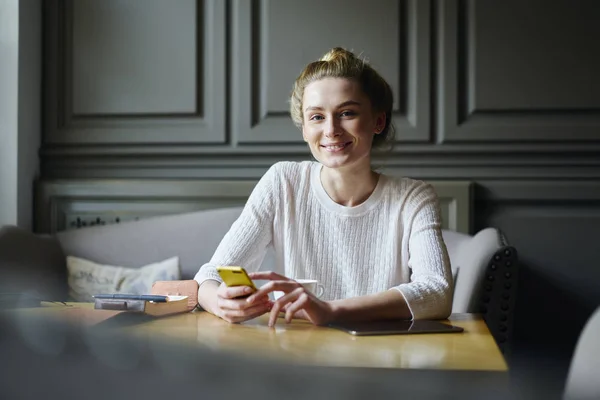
column 380, row 120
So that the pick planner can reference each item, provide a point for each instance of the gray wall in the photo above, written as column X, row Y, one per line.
column 504, row 94
column 20, row 108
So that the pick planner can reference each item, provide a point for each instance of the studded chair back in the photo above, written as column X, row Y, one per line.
column 485, row 270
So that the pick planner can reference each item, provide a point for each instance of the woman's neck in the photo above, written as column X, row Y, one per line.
column 349, row 187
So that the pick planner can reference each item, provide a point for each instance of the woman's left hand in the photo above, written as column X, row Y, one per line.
column 296, row 299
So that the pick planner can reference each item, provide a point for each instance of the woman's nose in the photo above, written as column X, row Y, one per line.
column 331, row 128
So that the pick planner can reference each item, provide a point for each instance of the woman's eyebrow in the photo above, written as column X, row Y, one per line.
column 313, row 108
column 349, row 103
column 344, row 104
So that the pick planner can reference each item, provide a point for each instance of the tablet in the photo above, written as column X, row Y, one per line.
column 395, row 327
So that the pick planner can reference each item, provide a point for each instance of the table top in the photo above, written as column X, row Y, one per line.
column 303, row 343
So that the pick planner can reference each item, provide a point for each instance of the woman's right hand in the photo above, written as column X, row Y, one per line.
column 233, row 307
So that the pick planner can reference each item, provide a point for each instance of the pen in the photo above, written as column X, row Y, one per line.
column 145, row 297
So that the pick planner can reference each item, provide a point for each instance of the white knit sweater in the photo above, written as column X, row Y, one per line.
column 391, row 241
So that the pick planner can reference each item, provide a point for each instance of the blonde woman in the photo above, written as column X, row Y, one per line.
column 373, row 241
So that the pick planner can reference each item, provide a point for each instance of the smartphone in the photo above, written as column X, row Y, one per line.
column 235, row 276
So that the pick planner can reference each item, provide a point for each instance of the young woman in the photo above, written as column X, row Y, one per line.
column 374, row 242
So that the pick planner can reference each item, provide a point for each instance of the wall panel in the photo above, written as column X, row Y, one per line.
column 518, row 71
column 122, row 71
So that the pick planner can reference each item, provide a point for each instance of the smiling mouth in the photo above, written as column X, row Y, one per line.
column 335, row 147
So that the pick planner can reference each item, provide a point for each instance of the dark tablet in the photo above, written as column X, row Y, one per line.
column 393, row 327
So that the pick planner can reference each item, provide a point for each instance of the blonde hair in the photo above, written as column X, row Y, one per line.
column 341, row 63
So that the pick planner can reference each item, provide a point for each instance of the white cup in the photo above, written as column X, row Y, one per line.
column 311, row 285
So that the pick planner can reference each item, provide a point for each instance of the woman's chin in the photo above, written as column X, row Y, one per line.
column 333, row 161
column 339, row 160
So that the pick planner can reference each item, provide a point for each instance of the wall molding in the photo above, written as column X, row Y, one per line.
column 248, row 42
column 66, row 204
column 458, row 161
column 206, row 125
column 173, row 149
column 555, row 191
column 457, row 118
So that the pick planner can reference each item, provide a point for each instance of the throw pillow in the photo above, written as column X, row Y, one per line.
column 87, row 278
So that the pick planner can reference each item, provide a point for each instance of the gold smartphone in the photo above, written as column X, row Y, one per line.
column 235, row 276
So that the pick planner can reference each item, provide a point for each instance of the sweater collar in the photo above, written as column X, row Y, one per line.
column 327, row 202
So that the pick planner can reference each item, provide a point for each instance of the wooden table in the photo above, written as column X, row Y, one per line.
column 306, row 344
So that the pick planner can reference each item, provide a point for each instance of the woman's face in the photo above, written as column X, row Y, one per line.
column 339, row 123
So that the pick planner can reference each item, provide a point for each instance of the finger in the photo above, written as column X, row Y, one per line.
column 259, row 312
column 282, row 303
column 235, row 291
column 239, row 304
column 284, row 286
column 258, row 308
column 289, row 298
column 296, row 306
column 275, row 312
column 268, row 275
column 246, row 314
column 301, row 315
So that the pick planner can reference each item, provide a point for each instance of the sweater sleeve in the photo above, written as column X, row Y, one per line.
column 246, row 241
column 429, row 293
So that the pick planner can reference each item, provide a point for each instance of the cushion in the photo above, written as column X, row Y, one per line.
column 472, row 259
column 193, row 237
column 87, row 278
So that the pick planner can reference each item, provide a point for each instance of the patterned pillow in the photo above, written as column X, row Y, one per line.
column 87, row 278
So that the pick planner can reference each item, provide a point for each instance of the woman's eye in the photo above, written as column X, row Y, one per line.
column 348, row 114
column 316, row 117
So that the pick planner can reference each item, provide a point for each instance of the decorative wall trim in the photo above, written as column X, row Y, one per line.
column 68, row 204
column 454, row 149
column 412, row 119
column 553, row 224
column 458, row 121
column 458, row 161
column 580, row 191
column 207, row 125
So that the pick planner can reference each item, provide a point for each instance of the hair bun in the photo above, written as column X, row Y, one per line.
column 337, row 53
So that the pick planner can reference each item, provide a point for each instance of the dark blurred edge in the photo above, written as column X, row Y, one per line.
column 48, row 359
